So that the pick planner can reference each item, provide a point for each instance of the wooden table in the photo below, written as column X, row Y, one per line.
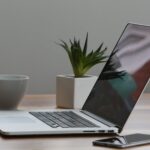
column 139, row 122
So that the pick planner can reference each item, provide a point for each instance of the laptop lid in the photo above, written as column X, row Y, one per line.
column 123, row 78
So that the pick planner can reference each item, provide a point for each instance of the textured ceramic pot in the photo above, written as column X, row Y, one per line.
column 72, row 92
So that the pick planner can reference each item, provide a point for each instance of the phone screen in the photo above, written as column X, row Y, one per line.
column 124, row 141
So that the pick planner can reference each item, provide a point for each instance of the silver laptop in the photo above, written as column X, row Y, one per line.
column 109, row 103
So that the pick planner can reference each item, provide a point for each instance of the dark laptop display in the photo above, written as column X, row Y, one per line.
column 123, row 78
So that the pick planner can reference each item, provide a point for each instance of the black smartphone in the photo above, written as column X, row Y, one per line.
column 124, row 141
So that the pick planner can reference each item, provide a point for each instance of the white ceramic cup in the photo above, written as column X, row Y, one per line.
column 12, row 89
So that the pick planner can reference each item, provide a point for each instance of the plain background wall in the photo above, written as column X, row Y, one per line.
column 30, row 28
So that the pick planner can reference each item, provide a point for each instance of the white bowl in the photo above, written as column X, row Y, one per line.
column 12, row 89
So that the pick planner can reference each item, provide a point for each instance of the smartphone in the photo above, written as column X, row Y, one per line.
column 124, row 141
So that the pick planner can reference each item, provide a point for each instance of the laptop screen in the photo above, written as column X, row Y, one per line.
column 123, row 78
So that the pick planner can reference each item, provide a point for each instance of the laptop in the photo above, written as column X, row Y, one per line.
column 110, row 101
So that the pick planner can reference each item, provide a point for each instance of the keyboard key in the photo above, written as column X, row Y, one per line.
column 65, row 119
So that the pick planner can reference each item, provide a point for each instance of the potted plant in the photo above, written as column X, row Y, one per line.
column 72, row 90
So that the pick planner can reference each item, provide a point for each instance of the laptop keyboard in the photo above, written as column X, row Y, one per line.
column 65, row 119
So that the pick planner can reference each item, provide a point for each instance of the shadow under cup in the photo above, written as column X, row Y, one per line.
column 12, row 89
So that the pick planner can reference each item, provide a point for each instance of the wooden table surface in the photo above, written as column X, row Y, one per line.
column 139, row 122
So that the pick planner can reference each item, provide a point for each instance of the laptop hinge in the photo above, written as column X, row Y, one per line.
column 100, row 119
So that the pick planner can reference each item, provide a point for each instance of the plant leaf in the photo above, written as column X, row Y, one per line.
column 85, row 45
column 82, row 61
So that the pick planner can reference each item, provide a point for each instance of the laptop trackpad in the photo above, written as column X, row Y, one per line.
column 18, row 119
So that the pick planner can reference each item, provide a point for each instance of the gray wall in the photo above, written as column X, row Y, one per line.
column 30, row 28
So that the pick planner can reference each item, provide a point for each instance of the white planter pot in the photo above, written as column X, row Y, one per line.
column 72, row 92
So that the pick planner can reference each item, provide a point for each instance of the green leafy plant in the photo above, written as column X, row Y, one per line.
column 80, row 59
